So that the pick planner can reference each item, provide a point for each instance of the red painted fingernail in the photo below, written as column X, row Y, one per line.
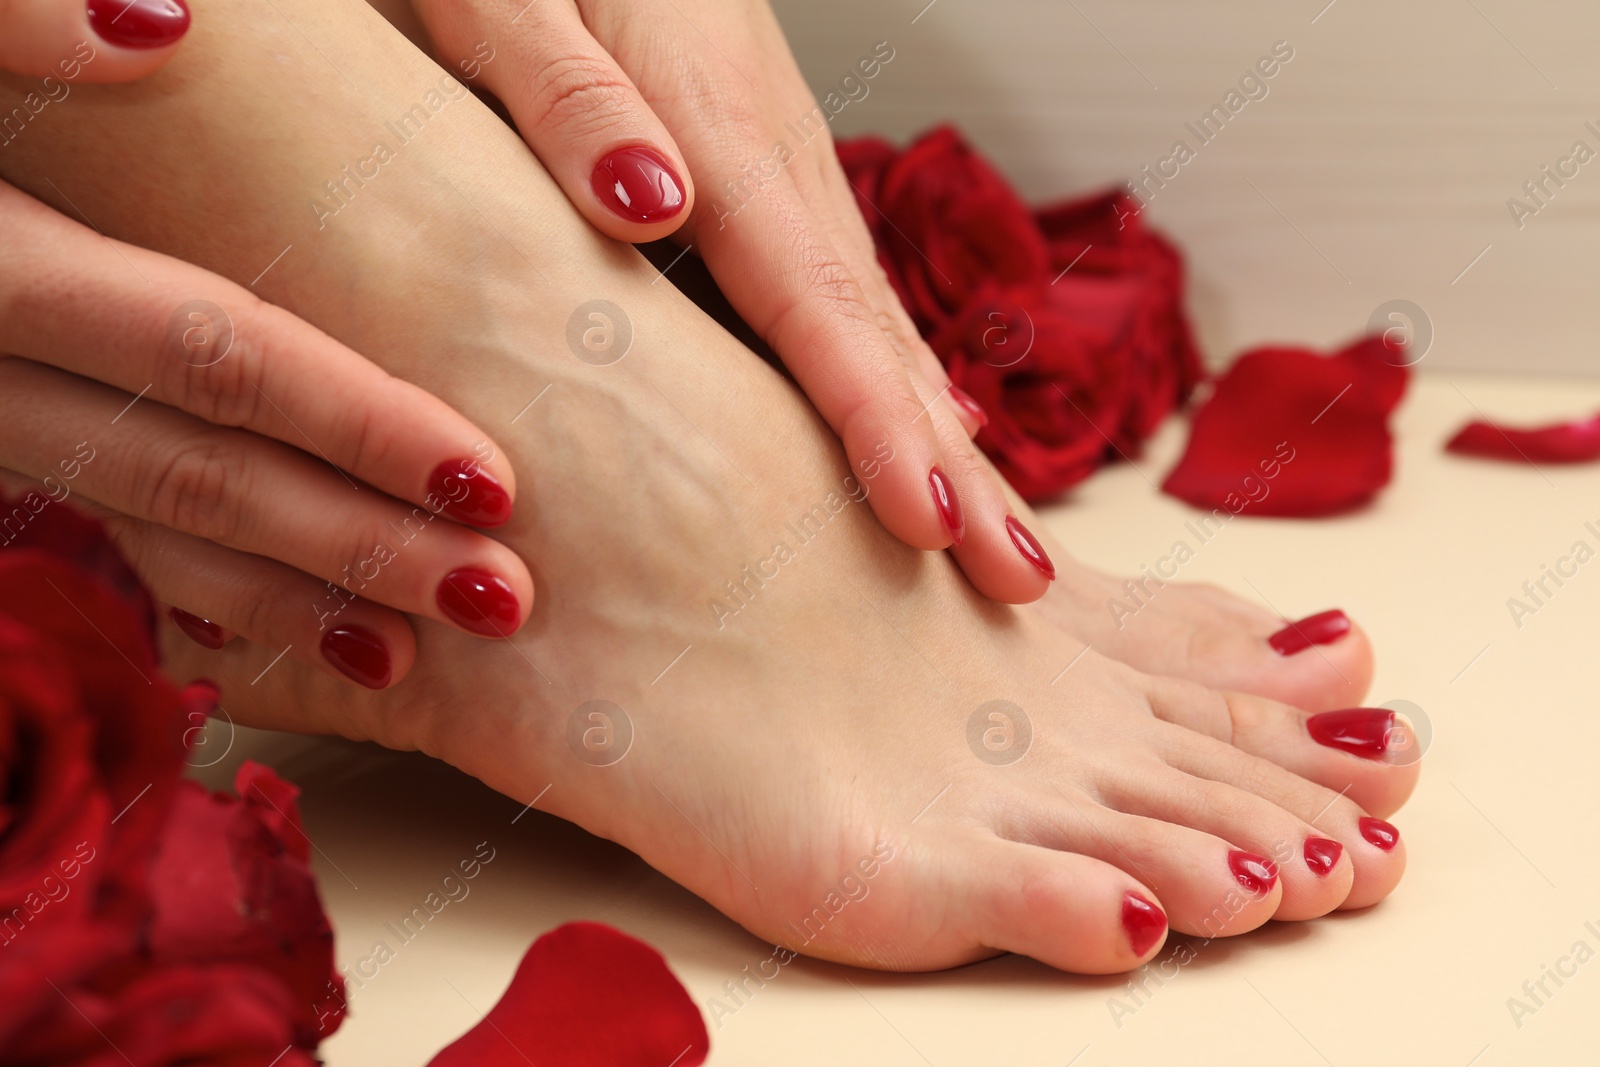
column 1322, row 854
column 1322, row 629
column 359, row 655
column 1144, row 922
column 139, row 23
column 202, row 632
column 945, row 502
column 469, row 493
column 479, row 602
column 638, row 184
column 1379, row 833
column 1029, row 546
column 1256, row 873
column 965, row 402
column 1361, row 731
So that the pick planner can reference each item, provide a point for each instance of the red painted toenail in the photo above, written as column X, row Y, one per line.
column 1321, row 629
column 946, row 504
column 479, row 602
column 1322, row 855
column 468, row 493
column 1379, row 833
column 202, row 632
column 1360, row 731
column 1256, row 873
column 1029, row 546
column 1144, row 922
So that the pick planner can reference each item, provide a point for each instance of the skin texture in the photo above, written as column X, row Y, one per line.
column 839, row 709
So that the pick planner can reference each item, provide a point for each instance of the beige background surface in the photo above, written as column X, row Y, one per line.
column 1502, row 833
column 1377, row 168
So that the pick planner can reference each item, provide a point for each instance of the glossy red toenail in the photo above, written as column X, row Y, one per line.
column 469, row 494
column 946, row 504
column 1321, row 629
column 202, row 632
column 1379, row 833
column 638, row 184
column 479, row 602
column 358, row 654
column 1256, row 873
column 1322, row 855
column 1144, row 922
column 965, row 402
column 1029, row 546
column 1359, row 731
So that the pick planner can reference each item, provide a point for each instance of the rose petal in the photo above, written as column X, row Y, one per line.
column 586, row 995
column 1289, row 432
column 1561, row 442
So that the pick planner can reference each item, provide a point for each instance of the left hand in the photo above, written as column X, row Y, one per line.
column 625, row 101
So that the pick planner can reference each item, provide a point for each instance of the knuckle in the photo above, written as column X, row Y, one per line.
column 580, row 94
column 226, row 392
column 198, row 487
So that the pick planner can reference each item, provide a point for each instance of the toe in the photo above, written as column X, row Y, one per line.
column 1367, row 754
column 1073, row 912
column 1250, row 655
column 1208, row 887
column 1322, row 837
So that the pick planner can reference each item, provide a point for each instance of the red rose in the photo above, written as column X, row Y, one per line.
column 945, row 222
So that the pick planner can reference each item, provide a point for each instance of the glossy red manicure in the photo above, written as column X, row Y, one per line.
column 139, row 23
column 1255, row 873
column 202, row 632
column 1029, row 546
column 358, row 654
column 479, row 602
column 964, row 401
column 470, row 494
column 1144, row 922
column 1361, row 731
column 1379, row 833
column 1322, row 854
column 1321, row 629
column 638, row 184
column 947, row 505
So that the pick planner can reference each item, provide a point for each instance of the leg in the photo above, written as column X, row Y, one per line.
column 805, row 700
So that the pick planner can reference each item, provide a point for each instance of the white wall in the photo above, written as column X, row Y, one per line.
column 1392, row 141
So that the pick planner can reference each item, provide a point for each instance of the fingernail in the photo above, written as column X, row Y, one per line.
column 479, row 602
column 1029, row 546
column 1321, row 629
column 964, row 401
column 638, row 184
column 470, row 494
column 139, row 23
column 1360, row 731
column 1144, row 922
column 359, row 655
column 946, row 504
column 1322, row 855
column 202, row 632
column 1255, row 873
column 1379, row 833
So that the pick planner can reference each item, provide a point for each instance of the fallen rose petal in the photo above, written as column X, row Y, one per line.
column 586, row 995
column 1289, row 432
column 1561, row 442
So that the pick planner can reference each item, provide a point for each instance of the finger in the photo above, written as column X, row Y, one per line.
column 66, row 41
column 170, row 332
column 577, row 110
column 243, row 491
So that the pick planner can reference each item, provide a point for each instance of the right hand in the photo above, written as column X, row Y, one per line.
column 244, row 461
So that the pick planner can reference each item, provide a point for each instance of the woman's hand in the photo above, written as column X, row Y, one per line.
column 262, row 478
column 92, row 41
column 626, row 100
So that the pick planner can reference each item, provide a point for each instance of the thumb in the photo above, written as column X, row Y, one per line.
column 95, row 41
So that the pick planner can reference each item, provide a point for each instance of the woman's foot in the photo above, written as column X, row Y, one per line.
column 731, row 668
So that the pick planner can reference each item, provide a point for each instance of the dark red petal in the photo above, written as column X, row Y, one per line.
column 586, row 995
column 1290, row 432
column 1561, row 442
